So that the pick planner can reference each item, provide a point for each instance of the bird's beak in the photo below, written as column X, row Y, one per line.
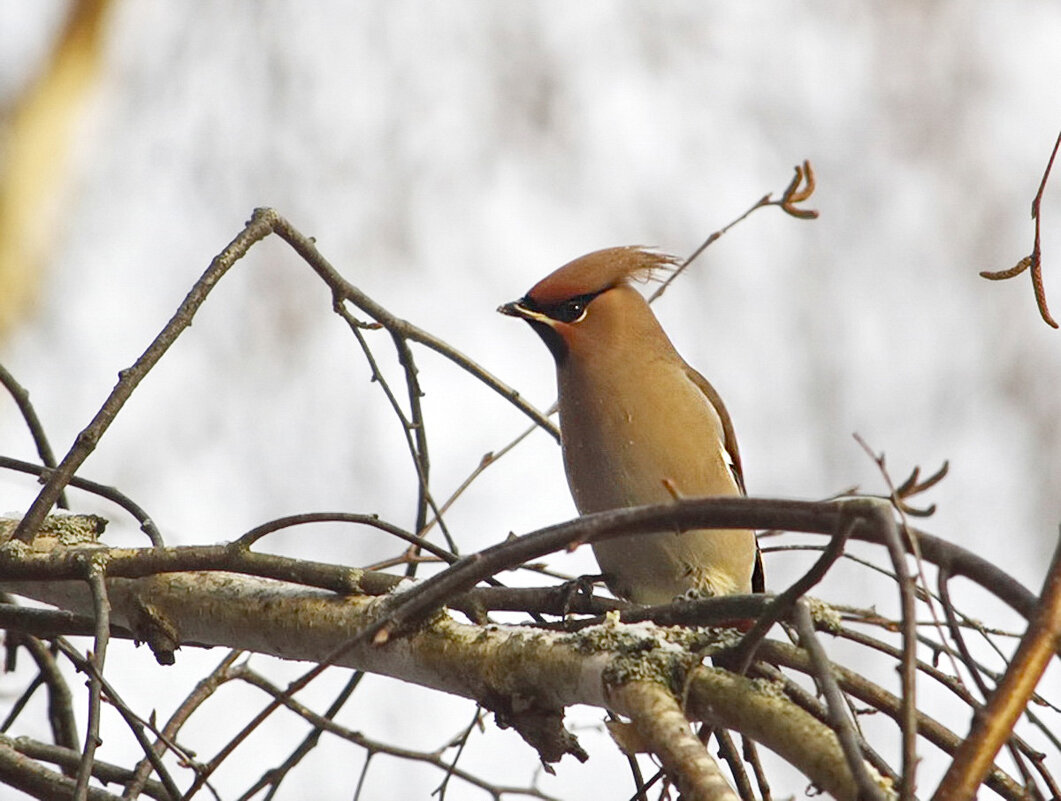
column 517, row 309
column 514, row 309
column 544, row 325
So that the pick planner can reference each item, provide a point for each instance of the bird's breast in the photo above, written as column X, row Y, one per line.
column 640, row 436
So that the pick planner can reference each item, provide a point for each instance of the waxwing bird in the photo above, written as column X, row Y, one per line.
column 638, row 426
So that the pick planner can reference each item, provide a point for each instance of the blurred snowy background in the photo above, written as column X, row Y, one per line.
column 448, row 155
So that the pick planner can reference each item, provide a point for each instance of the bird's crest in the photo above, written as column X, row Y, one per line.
column 603, row 269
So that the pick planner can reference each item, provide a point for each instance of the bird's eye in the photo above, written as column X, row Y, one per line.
column 573, row 310
column 570, row 311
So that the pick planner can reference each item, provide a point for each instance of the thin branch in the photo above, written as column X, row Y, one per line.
column 147, row 525
column 908, row 665
column 915, row 485
column 102, row 607
column 343, row 290
column 782, row 605
column 68, row 759
column 421, row 458
column 461, row 742
column 785, row 655
column 374, row 521
column 486, row 461
column 135, row 723
column 44, row 449
column 60, row 700
column 131, row 377
column 807, row 702
column 29, row 776
column 956, row 686
column 868, row 788
column 992, row 725
column 799, row 189
column 751, row 756
column 727, row 749
column 907, row 586
column 1033, row 263
column 950, row 614
column 280, row 699
column 166, row 738
column 412, row 430
column 274, row 776
column 283, row 698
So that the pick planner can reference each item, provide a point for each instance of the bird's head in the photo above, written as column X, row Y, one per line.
column 589, row 302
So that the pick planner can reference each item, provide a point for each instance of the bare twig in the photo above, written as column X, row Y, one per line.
column 957, row 687
column 283, row 698
column 373, row 521
column 262, row 223
column 343, row 290
column 136, row 724
column 1033, row 263
column 799, row 189
column 421, row 459
column 273, row 776
column 31, row 777
column 727, row 749
column 877, row 697
column 486, row 461
column 130, row 378
column 908, row 666
column 783, row 603
column 412, row 427
column 60, row 700
column 48, row 623
column 868, row 788
column 751, row 756
column 68, row 759
column 461, row 742
column 915, row 486
column 166, row 738
column 95, row 684
column 147, row 525
column 33, row 423
column 907, row 586
column 950, row 615
column 992, row 725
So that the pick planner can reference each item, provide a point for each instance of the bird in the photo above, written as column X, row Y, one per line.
column 639, row 426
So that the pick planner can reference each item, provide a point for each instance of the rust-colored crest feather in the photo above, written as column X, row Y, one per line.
column 600, row 270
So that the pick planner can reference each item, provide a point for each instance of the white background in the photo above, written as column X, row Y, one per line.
column 448, row 155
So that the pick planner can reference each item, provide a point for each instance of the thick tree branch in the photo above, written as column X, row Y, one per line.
column 664, row 731
column 545, row 670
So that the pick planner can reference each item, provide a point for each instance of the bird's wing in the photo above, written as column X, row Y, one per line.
column 729, row 438
column 730, row 443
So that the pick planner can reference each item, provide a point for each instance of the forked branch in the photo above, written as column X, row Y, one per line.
column 1034, row 262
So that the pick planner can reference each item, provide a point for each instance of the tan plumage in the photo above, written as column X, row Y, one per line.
column 638, row 426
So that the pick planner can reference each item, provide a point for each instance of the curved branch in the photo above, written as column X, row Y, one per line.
column 940, row 736
column 664, row 730
column 147, row 525
column 29, row 414
column 993, row 724
column 131, row 377
column 345, row 291
column 546, row 671
column 26, row 774
column 719, row 697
